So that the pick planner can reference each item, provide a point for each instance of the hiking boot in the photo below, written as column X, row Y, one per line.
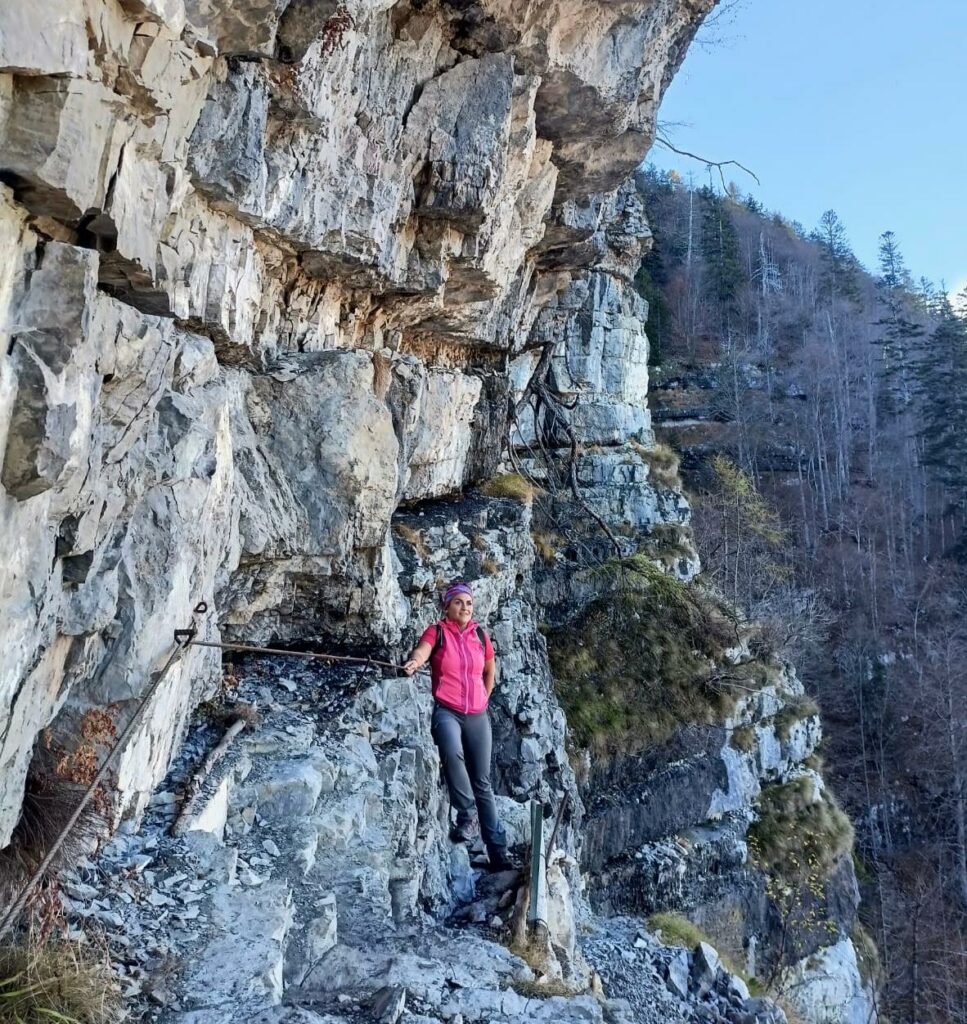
column 500, row 859
column 464, row 832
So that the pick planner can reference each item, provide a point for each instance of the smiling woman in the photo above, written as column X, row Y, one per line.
column 463, row 670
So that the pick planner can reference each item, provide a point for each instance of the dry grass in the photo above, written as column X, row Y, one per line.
column 662, row 462
column 743, row 738
column 412, row 537
column 796, row 838
column 548, row 544
column 543, row 988
column 670, row 542
column 532, row 953
column 509, row 485
column 540, row 958
column 640, row 662
column 489, row 566
column 48, row 803
column 815, row 762
column 58, row 982
column 797, row 710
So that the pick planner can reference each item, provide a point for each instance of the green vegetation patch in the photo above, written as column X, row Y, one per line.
column 796, row 839
column 641, row 661
column 675, row 930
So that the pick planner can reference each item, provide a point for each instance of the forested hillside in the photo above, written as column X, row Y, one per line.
column 820, row 411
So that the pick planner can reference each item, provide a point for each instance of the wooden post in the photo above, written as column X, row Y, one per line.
column 537, row 910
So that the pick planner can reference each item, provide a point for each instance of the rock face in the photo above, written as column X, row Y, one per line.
column 267, row 265
column 284, row 282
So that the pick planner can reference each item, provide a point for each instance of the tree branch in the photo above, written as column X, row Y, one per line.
column 717, row 164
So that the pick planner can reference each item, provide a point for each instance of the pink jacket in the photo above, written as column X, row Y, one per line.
column 457, row 668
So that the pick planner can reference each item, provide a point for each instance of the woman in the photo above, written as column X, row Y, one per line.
column 463, row 670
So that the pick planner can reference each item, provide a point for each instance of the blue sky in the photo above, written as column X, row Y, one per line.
column 855, row 105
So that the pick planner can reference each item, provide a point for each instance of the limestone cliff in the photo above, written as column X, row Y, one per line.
column 266, row 267
column 283, row 283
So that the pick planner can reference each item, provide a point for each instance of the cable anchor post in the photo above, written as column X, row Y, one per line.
column 183, row 637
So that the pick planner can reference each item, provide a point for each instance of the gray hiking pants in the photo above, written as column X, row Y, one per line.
column 465, row 744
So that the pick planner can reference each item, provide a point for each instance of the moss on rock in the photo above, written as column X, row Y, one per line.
column 642, row 660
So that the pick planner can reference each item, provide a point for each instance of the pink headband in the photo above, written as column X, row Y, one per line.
column 456, row 588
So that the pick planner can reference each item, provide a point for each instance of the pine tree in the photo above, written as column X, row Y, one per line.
column 839, row 279
column 900, row 335
column 942, row 385
column 720, row 248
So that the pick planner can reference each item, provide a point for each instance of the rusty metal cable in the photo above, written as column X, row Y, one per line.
column 182, row 639
column 281, row 652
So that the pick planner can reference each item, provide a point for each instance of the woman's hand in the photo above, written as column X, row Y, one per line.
column 419, row 656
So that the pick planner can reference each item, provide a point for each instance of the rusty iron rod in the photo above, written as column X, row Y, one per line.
column 281, row 652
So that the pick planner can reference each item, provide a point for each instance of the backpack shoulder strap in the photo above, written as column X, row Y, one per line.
column 437, row 647
column 482, row 636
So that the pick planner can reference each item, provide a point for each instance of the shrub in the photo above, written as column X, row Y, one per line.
column 58, row 981
column 509, row 485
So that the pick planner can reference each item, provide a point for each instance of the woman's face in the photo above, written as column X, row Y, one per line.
column 460, row 609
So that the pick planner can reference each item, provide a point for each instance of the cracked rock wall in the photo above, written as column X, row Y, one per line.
column 271, row 270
